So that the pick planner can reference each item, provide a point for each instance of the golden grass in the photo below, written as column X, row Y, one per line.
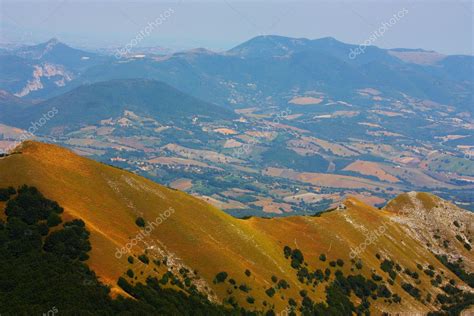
column 202, row 237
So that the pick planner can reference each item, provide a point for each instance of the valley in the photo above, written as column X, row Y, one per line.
column 269, row 140
column 280, row 177
column 275, row 154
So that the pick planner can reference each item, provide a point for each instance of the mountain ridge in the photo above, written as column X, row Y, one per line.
column 218, row 77
column 88, row 104
column 198, row 236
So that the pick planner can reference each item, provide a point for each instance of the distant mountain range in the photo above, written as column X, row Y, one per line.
column 263, row 67
column 284, row 176
column 56, row 52
column 274, row 126
column 39, row 70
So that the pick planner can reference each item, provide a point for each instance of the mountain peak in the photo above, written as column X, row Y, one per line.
column 53, row 41
column 439, row 224
column 269, row 45
column 55, row 52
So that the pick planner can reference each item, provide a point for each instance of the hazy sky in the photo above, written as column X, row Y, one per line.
column 444, row 26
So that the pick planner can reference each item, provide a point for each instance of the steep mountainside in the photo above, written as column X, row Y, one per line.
column 445, row 228
column 187, row 233
column 90, row 104
column 277, row 67
column 263, row 67
column 39, row 70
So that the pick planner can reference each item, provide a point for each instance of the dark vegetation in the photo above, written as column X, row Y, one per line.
column 140, row 222
column 220, row 277
column 453, row 301
column 339, row 290
column 41, row 269
column 6, row 193
column 457, row 269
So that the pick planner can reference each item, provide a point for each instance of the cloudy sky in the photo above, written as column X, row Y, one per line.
column 444, row 26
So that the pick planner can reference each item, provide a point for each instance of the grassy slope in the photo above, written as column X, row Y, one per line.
column 203, row 237
column 432, row 220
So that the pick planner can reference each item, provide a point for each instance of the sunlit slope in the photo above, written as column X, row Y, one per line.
column 336, row 233
column 109, row 200
column 197, row 236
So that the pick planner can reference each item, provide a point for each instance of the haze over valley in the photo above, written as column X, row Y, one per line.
column 283, row 175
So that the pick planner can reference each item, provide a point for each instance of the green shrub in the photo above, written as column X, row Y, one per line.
column 396, row 298
column 386, row 265
column 140, row 222
column 72, row 241
column 410, row 289
column 144, row 258
column 220, row 277
column 31, row 206
column 43, row 228
column 392, row 274
column 297, row 258
column 270, row 292
column 282, row 284
column 6, row 193
column 53, row 220
column 376, row 277
column 383, row 291
column 319, row 275
column 244, row 288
